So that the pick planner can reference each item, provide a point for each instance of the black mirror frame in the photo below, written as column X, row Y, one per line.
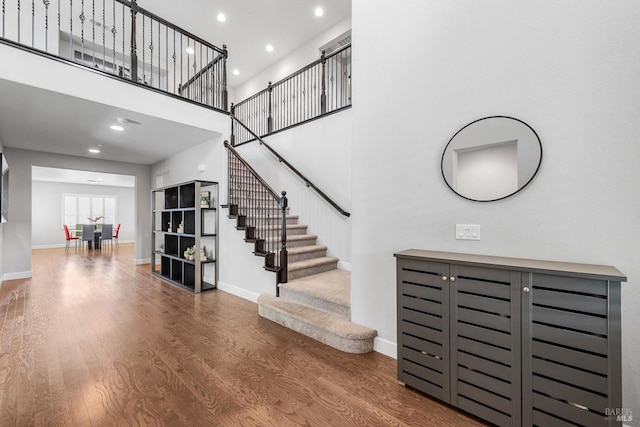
column 476, row 121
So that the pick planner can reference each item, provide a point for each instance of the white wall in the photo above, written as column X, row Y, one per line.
column 47, row 210
column 17, row 231
column 569, row 69
column 291, row 63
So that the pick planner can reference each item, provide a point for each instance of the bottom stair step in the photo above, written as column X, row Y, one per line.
column 308, row 267
column 319, row 325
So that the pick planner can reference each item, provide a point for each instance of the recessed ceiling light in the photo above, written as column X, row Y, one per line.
column 94, row 150
column 116, row 127
column 190, row 50
column 269, row 48
column 318, row 11
column 221, row 17
column 236, row 72
column 95, row 181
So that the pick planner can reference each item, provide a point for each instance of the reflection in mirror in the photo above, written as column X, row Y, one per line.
column 491, row 158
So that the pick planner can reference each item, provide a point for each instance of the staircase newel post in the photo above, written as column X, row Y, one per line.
column 225, row 93
column 282, row 273
column 233, row 125
column 134, row 53
column 323, row 95
column 270, row 117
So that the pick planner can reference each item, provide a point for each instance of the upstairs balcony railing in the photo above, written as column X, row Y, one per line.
column 320, row 88
column 120, row 38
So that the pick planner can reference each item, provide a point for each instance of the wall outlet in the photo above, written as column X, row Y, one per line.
column 467, row 231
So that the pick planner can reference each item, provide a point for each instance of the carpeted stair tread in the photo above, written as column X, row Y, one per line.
column 333, row 286
column 309, row 263
column 305, row 249
column 319, row 325
column 297, row 237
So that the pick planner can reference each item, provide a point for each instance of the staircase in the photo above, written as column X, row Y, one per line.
column 315, row 300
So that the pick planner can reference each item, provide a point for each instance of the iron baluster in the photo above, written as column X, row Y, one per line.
column 323, row 95
column 93, row 32
column 208, row 85
column 134, row 46
column 224, row 77
column 104, row 36
column 150, row 52
column 283, row 261
column 70, row 29
column 123, row 74
column 33, row 23
column 18, row 21
column 144, row 75
column 113, row 32
column 233, row 125
column 46, row 24
column 82, row 30
column 270, row 116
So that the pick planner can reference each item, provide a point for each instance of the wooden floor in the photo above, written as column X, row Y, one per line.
column 92, row 340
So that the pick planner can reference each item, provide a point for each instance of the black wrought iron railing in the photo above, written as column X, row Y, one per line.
column 122, row 39
column 260, row 212
column 320, row 88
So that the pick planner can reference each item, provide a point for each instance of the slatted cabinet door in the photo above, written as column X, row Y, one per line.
column 531, row 343
column 571, row 349
column 423, row 327
column 485, row 343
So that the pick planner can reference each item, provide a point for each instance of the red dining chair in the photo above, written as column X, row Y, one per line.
column 68, row 236
column 117, row 233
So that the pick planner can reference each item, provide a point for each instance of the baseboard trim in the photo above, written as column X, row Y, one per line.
column 342, row 265
column 385, row 347
column 142, row 261
column 239, row 292
column 17, row 275
column 72, row 245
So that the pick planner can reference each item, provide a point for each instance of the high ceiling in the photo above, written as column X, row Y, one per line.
column 27, row 120
column 252, row 24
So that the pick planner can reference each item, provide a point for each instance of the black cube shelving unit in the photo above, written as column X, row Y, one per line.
column 180, row 220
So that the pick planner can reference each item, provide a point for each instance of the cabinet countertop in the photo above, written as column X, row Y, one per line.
column 540, row 266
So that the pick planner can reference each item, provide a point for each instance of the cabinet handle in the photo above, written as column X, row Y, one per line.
column 526, row 289
column 445, row 278
column 453, row 279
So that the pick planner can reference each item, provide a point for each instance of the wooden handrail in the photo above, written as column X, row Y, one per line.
column 281, row 159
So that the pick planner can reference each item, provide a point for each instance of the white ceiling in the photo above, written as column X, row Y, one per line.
column 41, row 120
column 39, row 173
column 36, row 119
column 251, row 25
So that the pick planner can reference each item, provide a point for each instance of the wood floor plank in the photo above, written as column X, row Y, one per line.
column 94, row 340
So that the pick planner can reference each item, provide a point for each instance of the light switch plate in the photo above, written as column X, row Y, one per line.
column 467, row 231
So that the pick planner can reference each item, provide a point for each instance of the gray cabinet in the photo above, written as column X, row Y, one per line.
column 513, row 341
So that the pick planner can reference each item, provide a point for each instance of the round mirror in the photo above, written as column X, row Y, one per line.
column 491, row 158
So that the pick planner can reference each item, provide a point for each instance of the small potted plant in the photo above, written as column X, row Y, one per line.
column 205, row 199
column 189, row 253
